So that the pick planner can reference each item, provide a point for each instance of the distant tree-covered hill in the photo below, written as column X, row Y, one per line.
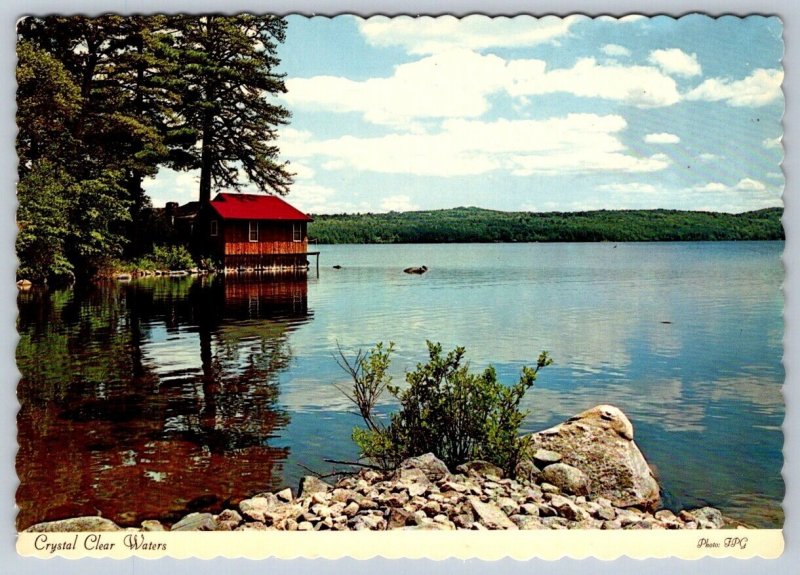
column 479, row 225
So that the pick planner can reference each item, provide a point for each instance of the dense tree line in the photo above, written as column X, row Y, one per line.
column 478, row 225
column 105, row 102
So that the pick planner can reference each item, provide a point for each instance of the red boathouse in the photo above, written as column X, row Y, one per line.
column 258, row 232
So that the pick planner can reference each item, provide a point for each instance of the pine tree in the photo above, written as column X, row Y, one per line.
column 229, row 65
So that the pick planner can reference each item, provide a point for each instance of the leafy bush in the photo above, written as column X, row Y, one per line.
column 445, row 409
column 166, row 257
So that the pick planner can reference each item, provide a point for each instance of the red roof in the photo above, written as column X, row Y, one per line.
column 255, row 207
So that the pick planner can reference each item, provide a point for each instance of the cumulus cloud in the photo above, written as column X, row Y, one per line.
column 677, row 62
column 574, row 143
column 398, row 203
column 642, row 86
column 743, row 185
column 458, row 84
column 615, row 50
column 449, row 85
column 749, row 184
column 429, row 35
column 770, row 143
column 628, row 188
column 662, row 138
column 761, row 87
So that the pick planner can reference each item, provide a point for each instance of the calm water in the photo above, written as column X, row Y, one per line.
column 149, row 399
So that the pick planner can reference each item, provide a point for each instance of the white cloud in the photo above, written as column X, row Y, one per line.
column 743, row 185
column 458, row 84
column 748, row 184
column 313, row 198
column 172, row 186
column 760, row 88
column 301, row 171
column 662, row 138
column 773, row 142
column 712, row 187
column 429, row 35
column 676, row 61
column 641, row 86
column 707, row 157
column 615, row 50
column 575, row 143
column 628, row 188
column 450, row 85
column 399, row 203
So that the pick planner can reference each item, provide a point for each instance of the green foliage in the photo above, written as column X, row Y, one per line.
column 444, row 409
column 464, row 225
column 165, row 258
column 229, row 63
column 43, row 228
column 103, row 102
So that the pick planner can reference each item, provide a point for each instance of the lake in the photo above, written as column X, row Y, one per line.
column 156, row 397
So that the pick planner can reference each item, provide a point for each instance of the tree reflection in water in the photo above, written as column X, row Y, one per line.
column 154, row 398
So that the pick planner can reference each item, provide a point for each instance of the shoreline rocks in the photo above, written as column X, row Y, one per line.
column 574, row 489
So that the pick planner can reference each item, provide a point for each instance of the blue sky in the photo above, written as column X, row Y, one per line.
column 545, row 114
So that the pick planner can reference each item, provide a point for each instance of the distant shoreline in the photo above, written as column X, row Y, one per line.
column 476, row 225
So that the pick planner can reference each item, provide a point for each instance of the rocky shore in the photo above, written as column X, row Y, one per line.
column 585, row 473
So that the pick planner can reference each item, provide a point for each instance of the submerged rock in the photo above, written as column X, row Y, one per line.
column 599, row 442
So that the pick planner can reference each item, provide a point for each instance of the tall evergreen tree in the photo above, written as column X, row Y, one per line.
column 229, row 65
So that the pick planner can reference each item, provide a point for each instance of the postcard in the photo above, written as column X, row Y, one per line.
column 295, row 286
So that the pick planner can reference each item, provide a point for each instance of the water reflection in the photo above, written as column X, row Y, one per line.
column 154, row 398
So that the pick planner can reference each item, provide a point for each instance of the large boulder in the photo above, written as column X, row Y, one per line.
column 433, row 467
column 599, row 442
column 88, row 523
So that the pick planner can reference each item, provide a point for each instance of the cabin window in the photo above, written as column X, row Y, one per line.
column 214, row 228
column 297, row 232
column 253, row 231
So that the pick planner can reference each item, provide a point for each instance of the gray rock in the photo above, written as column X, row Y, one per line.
column 152, row 525
column 196, row 522
column 569, row 479
column 88, row 523
column 481, row 468
column 527, row 470
column 545, row 457
column 707, row 518
column 507, row 505
column 433, row 467
column 285, row 495
column 411, row 476
column 600, row 443
column 351, row 509
column 429, row 526
column 228, row 520
column 490, row 515
column 252, row 526
column 530, row 509
column 310, row 484
column 417, row 489
column 399, row 518
column 568, row 509
column 550, row 488
column 527, row 522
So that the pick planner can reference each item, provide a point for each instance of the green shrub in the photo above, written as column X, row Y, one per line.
column 166, row 257
column 445, row 409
